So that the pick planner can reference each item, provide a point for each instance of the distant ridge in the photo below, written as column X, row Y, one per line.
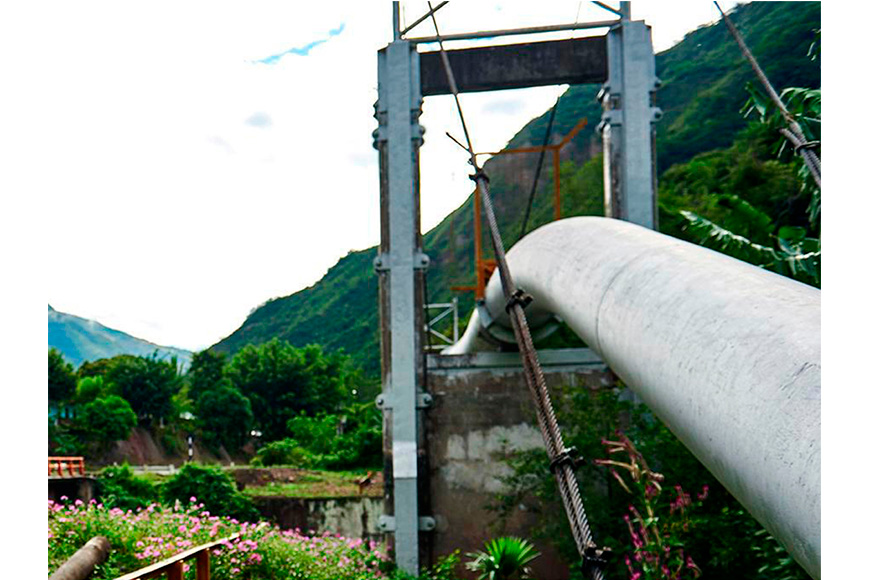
column 80, row 340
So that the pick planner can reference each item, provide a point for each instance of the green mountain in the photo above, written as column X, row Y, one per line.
column 80, row 340
column 703, row 88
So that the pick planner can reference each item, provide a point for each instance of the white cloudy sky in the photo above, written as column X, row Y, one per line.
column 180, row 182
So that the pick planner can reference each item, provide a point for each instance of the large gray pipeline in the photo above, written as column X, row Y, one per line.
column 725, row 353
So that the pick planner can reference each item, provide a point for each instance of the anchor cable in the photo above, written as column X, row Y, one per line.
column 794, row 134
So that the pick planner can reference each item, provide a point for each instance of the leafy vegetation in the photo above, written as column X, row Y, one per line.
column 224, row 416
column 503, row 559
column 283, row 381
column 146, row 536
column 656, row 535
column 61, row 377
column 721, row 538
column 119, row 487
column 350, row 440
column 212, row 487
column 105, row 420
column 263, row 389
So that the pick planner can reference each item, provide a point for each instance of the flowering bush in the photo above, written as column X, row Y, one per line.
column 145, row 536
column 658, row 548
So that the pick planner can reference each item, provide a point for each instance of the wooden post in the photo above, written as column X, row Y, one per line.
column 203, row 571
column 82, row 563
column 175, row 571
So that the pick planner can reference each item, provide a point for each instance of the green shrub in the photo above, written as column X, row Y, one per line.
column 284, row 452
column 347, row 441
column 118, row 486
column 210, row 486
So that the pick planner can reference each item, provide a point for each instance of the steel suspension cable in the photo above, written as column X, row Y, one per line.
column 561, row 460
column 538, row 168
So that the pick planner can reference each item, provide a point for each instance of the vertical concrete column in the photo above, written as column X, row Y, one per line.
column 400, row 263
column 628, row 123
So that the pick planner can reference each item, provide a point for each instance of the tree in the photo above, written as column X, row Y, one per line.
column 99, row 367
column 282, row 381
column 775, row 240
column 746, row 203
column 205, row 372
column 61, row 377
column 105, row 420
column 89, row 388
column 147, row 383
column 224, row 416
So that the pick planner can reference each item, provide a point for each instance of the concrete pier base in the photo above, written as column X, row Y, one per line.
column 481, row 406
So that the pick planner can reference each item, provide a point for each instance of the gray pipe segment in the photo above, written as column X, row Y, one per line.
column 728, row 355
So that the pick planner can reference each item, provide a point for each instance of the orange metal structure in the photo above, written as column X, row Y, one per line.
column 485, row 267
column 74, row 466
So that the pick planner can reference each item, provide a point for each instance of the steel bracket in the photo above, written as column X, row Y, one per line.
column 388, row 523
column 385, row 401
column 382, row 262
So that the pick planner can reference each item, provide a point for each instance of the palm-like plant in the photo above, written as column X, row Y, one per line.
column 792, row 253
column 504, row 558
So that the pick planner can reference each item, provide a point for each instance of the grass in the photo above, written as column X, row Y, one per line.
column 318, row 484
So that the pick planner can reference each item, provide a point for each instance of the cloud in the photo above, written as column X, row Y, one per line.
column 303, row 50
column 260, row 120
column 505, row 107
column 220, row 142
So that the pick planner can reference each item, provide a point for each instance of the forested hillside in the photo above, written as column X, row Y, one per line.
column 704, row 152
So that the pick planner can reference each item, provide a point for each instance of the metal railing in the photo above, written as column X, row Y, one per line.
column 447, row 308
column 173, row 567
column 74, row 466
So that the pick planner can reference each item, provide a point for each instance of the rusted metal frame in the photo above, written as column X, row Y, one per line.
column 173, row 566
column 557, row 181
column 480, row 290
column 581, row 124
column 557, row 170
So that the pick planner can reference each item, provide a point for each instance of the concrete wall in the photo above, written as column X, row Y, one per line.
column 74, row 488
column 481, row 406
column 351, row 517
